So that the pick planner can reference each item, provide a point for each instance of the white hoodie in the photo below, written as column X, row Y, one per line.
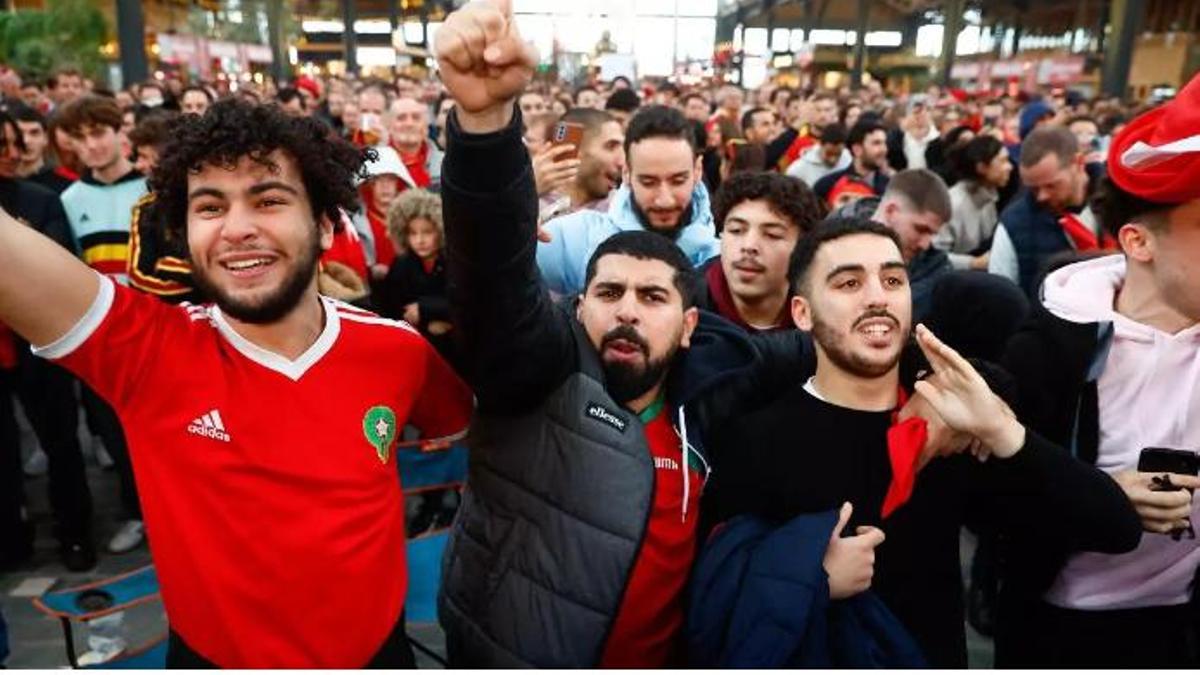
column 1148, row 397
column 811, row 167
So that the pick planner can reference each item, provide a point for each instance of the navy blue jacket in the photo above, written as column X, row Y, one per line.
column 1037, row 235
column 760, row 599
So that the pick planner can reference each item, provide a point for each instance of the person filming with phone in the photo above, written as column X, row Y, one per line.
column 1110, row 366
column 593, row 139
column 662, row 193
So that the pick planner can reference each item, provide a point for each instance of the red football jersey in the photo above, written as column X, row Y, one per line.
column 269, row 486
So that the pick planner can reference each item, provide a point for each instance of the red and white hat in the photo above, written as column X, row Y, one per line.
column 1157, row 155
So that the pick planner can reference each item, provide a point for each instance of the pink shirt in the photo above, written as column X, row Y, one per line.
column 1149, row 396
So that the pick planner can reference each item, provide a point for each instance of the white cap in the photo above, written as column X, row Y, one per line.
column 387, row 162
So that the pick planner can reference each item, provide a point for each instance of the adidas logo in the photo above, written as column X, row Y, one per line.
column 84, row 218
column 209, row 425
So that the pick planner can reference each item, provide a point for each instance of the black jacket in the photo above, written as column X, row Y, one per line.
column 560, row 478
column 39, row 207
column 407, row 282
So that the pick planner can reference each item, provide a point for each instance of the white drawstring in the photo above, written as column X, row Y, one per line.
column 685, row 448
column 683, row 464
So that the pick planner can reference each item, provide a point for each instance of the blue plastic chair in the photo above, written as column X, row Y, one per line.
column 424, row 466
column 115, row 594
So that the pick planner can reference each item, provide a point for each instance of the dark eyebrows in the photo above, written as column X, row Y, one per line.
column 256, row 189
column 205, row 192
column 259, row 188
column 653, row 288
column 610, row 286
column 840, row 269
column 859, row 269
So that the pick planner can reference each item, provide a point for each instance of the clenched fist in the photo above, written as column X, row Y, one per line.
column 484, row 63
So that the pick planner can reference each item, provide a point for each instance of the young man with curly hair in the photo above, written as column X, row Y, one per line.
column 261, row 427
column 762, row 216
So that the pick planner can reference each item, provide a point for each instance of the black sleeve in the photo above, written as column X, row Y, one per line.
column 779, row 146
column 783, row 359
column 1043, row 494
column 823, row 185
column 434, row 308
column 515, row 346
column 54, row 224
column 895, row 145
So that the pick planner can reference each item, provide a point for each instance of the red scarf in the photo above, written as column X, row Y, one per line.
column 718, row 288
column 415, row 163
column 905, row 441
column 385, row 253
column 1082, row 236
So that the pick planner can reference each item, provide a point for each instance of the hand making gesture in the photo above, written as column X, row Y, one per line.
column 964, row 401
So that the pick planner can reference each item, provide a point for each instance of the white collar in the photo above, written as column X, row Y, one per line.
column 293, row 370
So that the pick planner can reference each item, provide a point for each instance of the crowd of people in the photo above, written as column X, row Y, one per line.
column 735, row 367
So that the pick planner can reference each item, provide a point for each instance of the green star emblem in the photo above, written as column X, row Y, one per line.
column 379, row 426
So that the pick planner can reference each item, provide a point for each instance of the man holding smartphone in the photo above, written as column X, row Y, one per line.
column 1110, row 367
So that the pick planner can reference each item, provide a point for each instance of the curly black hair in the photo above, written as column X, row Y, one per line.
column 232, row 129
column 788, row 197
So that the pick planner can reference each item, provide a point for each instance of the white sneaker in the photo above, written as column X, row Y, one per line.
column 37, row 464
column 128, row 537
column 103, row 459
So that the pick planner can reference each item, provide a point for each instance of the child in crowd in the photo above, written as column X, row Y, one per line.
column 386, row 178
column 414, row 288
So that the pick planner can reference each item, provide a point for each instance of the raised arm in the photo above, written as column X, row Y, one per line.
column 516, row 346
column 44, row 290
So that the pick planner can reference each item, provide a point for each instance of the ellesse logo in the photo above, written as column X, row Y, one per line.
column 600, row 413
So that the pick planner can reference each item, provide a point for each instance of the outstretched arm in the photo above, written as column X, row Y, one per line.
column 44, row 290
column 516, row 346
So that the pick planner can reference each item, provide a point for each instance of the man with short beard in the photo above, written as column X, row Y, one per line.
column 601, row 155
column 577, row 534
column 841, row 437
column 662, row 192
column 262, row 427
column 868, row 146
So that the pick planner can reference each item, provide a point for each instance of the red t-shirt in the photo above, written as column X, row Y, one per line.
column 276, row 523
column 649, row 624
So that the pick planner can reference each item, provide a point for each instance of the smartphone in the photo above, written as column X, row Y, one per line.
column 568, row 133
column 1167, row 460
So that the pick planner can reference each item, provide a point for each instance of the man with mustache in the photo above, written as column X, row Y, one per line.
column 662, row 192
column 762, row 215
column 577, row 532
column 840, row 436
column 262, row 427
